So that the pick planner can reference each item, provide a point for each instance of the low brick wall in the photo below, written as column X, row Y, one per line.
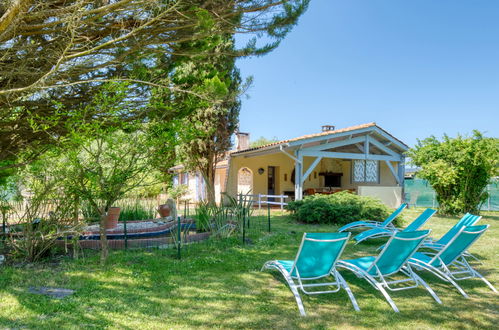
column 138, row 243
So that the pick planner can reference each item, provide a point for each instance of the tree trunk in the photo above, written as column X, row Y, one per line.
column 208, row 174
column 104, row 249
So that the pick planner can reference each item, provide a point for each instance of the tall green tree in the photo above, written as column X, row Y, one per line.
column 66, row 50
column 204, row 136
column 459, row 169
column 209, row 128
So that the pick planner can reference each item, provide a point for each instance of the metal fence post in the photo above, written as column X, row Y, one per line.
column 282, row 203
column 268, row 215
column 126, row 234
column 4, row 229
column 179, row 225
column 244, row 228
column 488, row 199
column 259, row 201
column 247, row 220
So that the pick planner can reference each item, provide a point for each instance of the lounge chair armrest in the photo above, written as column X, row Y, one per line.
column 433, row 246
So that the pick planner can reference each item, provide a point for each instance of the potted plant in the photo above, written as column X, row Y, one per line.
column 164, row 210
column 113, row 215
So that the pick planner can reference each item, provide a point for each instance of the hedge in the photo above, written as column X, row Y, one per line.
column 339, row 208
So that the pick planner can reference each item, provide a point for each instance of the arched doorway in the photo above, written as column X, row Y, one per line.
column 244, row 181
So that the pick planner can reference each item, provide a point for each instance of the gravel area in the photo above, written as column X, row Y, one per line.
column 129, row 226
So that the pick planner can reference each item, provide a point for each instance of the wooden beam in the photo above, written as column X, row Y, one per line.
column 348, row 155
column 389, row 164
column 366, row 146
column 298, row 175
column 311, row 168
column 390, row 138
column 401, row 175
column 382, row 147
column 336, row 144
column 289, row 155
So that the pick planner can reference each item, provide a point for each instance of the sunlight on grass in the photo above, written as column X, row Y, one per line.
column 219, row 284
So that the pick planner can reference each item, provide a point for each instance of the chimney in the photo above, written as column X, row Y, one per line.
column 327, row 128
column 242, row 141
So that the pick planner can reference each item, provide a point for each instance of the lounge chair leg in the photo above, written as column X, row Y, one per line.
column 290, row 282
column 427, row 287
column 387, row 297
column 345, row 286
column 477, row 274
column 294, row 289
column 467, row 254
column 446, row 277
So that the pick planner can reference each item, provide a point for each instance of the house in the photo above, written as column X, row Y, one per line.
column 363, row 159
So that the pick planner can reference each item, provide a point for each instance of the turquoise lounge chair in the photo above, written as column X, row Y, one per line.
column 384, row 232
column 449, row 263
column 392, row 260
column 374, row 224
column 316, row 259
column 467, row 220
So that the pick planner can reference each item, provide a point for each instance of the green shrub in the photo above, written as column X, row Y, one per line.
column 339, row 208
column 137, row 209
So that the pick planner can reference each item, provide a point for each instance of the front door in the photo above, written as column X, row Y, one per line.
column 271, row 178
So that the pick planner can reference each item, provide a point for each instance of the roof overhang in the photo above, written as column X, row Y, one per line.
column 381, row 139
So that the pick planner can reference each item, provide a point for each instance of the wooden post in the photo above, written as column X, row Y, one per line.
column 298, row 176
column 282, row 202
column 401, row 175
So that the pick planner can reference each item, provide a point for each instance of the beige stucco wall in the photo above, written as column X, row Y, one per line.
column 220, row 177
column 285, row 166
column 391, row 196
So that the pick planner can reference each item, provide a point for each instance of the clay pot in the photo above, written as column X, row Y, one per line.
column 164, row 210
column 112, row 217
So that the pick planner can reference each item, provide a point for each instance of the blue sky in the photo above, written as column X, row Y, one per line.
column 416, row 68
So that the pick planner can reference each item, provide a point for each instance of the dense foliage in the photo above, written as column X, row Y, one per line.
column 261, row 141
column 339, row 208
column 459, row 169
column 66, row 50
column 203, row 136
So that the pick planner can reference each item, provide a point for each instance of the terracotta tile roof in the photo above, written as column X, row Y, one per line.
column 224, row 163
column 304, row 137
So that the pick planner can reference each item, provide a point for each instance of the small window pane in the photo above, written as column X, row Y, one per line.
column 371, row 171
column 358, row 170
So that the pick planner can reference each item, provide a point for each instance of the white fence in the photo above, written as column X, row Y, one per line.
column 261, row 199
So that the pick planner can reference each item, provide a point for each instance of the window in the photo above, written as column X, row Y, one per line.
column 365, row 171
column 175, row 180
column 184, row 178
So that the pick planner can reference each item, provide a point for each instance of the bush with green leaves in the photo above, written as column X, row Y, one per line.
column 458, row 169
column 338, row 209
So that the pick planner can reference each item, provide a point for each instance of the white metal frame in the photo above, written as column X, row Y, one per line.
column 370, row 224
column 388, row 231
column 380, row 282
column 295, row 287
column 458, row 266
column 431, row 243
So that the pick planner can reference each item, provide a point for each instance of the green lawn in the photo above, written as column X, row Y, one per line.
column 219, row 284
